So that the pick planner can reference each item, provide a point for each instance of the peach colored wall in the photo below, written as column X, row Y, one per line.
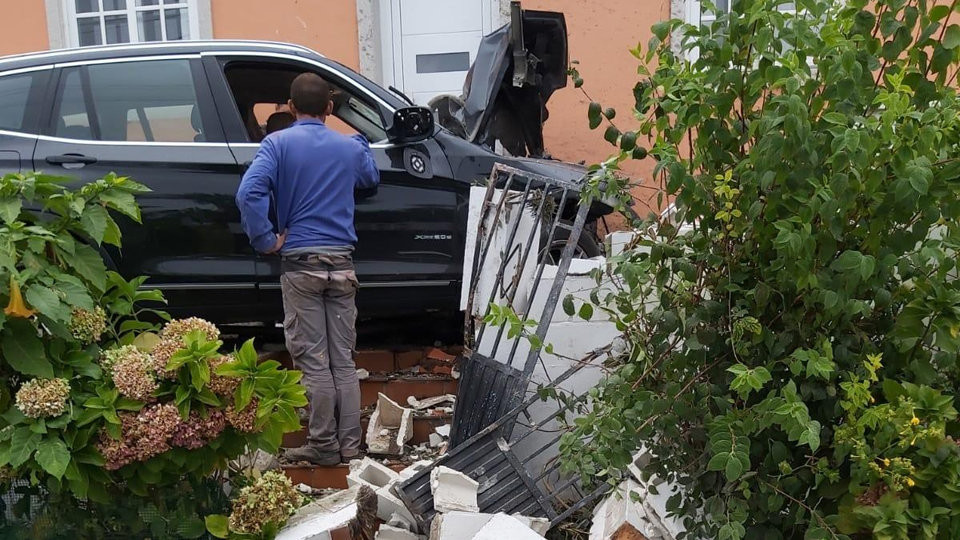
column 600, row 35
column 23, row 27
column 328, row 27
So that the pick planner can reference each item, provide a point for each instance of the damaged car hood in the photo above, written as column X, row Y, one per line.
column 516, row 70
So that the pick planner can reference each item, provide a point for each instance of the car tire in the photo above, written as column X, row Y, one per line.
column 587, row 244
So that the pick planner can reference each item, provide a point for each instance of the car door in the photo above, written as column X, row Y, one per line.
column 152, row 119
column 409, row 256
column 21, row 93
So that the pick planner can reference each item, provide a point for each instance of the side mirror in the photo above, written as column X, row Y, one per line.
column 411, row 124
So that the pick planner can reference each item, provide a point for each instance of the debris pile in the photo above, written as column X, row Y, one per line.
column 390, row 427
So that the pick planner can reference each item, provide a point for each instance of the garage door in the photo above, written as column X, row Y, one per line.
column 435, row 42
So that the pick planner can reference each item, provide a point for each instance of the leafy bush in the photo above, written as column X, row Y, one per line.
column 97, row 404
column 793, row 328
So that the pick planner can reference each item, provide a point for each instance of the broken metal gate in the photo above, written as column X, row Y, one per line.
column 507, row 425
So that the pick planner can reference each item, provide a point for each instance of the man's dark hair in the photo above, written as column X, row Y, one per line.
column 310, row 94
column 279, row 120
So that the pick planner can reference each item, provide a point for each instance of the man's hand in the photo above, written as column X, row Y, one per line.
column 281, row 238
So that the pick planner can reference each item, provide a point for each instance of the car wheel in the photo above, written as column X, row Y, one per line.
column 587, row 245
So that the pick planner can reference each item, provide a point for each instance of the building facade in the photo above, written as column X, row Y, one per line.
column 422, row 47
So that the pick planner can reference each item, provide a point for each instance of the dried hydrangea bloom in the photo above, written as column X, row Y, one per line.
column 88, row 325
column 271, row 499
column 197, row 431
column 143, row 434
column 178, row 328
column 43, row 398
column 161, row 356
column 244, row 421
column 133, row 375
column 219, row 384
column 109, row 357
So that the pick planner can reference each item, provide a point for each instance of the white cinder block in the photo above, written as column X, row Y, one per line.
column 502, row 527
column 453, row 490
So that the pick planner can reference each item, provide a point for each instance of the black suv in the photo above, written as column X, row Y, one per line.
column 185, row 118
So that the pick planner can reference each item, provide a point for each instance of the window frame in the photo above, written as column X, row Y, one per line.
column 131, row 10
column 694, row 14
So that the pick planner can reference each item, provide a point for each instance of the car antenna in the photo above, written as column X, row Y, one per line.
column 401, row 94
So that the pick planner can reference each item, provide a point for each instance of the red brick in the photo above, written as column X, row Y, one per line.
column 440, row 356
column 318, row 477
column 408, row 359
column 376, row 361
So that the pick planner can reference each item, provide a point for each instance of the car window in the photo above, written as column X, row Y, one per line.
column 154, row 101
column 261, row 89
column 14, row 91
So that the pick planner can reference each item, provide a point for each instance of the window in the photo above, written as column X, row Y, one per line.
column 153, row 101
column 99, row 22
column 14, row 92
column 261, row 89
column 697, row 12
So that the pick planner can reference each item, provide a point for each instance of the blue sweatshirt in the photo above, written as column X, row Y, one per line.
column 312, row 172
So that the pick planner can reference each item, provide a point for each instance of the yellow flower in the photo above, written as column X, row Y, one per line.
column 914, row 421
column 886, row 462
column 16, row 307
column 910, row 482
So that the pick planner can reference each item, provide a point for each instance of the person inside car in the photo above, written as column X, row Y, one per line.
column 279, row 120
column 311, row 172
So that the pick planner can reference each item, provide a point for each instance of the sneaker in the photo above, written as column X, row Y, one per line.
column 312, row 455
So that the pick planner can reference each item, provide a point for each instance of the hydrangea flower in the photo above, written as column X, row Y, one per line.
column 244, row 421
column 197, row 431
column 219, row 384
column 88, row 325
column 43, row 398
column 143, row 434
column 271, row 499
column 132, row 374
column 171, row 340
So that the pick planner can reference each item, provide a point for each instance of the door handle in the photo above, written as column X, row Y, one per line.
column 71, row 159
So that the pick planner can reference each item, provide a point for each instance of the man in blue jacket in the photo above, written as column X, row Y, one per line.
column 311, row 171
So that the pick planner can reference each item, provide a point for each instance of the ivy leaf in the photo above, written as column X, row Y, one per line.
column 54, row 456
column 23, row 350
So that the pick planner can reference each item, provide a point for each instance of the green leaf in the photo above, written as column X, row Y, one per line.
column 718, row 462
column 23, row 350
column 10, row 209
column 217, row 525
column 45, row 301
column 611, row 134
column 586, row 311
column 661, row 30
column 951, row 39
column 93, row 221
column 733, row 468
column 628, row 141
column 594, row 114
column 89, row 264
column 123, row 202
column 568, row 306
column 54, row 456
column 23, row 442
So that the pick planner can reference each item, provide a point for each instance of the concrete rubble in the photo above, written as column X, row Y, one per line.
column 457, row 525
column 502, row 526
column 453, row 490
column 391, row 426
column 427, row 403
column 321, row 519
column 389, row 532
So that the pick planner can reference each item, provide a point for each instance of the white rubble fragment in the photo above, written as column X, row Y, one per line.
column 388, row 419
column 381, row 479
column 362, row 374
column 258, row 460
column 502, row 526
column 315, row 520
column 413, row 469
column 426, row 403
column 435, row 440
column 370, row 473
column 457, row 525
column 620, row 513
column 387, row 532
column 443, row 431
column 305, row 489
column 453, row 490
column 396, row 520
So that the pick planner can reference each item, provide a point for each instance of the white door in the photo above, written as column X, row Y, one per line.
column 435, row 42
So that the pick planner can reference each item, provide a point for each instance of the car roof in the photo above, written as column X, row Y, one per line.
column 148, row 49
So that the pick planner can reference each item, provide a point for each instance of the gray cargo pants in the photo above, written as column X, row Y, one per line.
column 320, row 314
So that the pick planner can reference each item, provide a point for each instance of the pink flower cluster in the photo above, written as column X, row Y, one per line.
column 198, row 431
column 171, row 341
column 143, row 435
column 246, row 420
column 220, row 385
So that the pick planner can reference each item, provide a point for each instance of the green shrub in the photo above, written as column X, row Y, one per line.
column 98, row 403
column 793, row 329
